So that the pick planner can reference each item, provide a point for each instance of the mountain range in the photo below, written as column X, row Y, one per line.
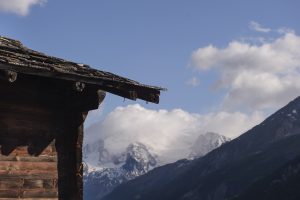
column 262, row 163
column 104, row 170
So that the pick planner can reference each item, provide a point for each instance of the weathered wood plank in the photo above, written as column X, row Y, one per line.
column 20, row 183
column 50, row 183
column 10, row 193
column 41, row 158
column 28, row 174
column 44, row 183
column 9, row 165
column 28, row 183
column 40, row 193
column 28, row 193
column 10, row 183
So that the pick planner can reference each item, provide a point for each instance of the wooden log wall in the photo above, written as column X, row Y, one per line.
column 41, row 133
column 25, row 176
column 28, row 158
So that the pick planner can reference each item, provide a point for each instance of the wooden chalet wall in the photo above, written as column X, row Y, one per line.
column 41, row 133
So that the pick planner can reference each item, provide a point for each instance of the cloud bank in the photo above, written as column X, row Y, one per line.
column 20, row 7
column 255, row 77
column 170, row 134
column 265, row 76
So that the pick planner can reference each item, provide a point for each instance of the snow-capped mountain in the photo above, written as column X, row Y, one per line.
column 105, row 170
column 138, row 160
column 113, row 170
column 262, row 163
column 206, row 143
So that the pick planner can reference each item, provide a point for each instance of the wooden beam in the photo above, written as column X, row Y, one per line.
column 111, row 86
column 29, row 174
column 41, row 158
column 9, row 75
column 46, row 94
column 101, row 96
column 15, row 183
column 79, row 86
column 28, row 193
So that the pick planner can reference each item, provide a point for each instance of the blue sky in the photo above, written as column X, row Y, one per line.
column 164, row 43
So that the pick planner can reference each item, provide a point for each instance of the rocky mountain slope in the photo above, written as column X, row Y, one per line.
column 281, row 184
column 229, row 170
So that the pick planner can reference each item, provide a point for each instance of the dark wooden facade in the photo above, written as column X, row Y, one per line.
column 41, row 121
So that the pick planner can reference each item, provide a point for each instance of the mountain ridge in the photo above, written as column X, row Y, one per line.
column 227, row 170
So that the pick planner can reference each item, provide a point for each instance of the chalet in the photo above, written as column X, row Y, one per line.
column 44, row 101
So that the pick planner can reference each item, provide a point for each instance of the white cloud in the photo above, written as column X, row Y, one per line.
column 20, row 7
column 193, row 82
column 259, row 28
column 169, row 134
column 255, row 76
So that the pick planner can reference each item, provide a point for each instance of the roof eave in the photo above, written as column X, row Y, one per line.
column 123, row 89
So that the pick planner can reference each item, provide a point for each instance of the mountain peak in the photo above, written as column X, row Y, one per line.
column 206, row 143
column 138, row 159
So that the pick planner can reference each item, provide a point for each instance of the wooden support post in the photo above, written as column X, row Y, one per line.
column 65, row 145
column 69, row 153
column 79, row 164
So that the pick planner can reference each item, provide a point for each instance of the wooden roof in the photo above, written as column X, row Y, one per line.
column 18, row 58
